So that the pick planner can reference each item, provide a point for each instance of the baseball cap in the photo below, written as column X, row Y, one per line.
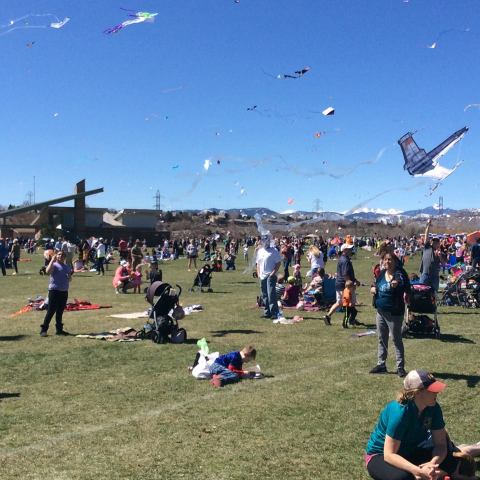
column 421, row 379
column 346, row 246
column 123, row 263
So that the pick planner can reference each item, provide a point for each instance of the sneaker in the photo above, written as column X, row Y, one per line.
column 378, row 369
column 216, row 381
column 63, row 333
column 43, row 333
column 327, row 320
column 401, row 372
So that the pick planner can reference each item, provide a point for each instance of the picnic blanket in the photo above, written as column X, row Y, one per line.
column 192, row 309
column 77, row 305
column 130, row 315
column 40, row 303
column 288, row 321
column 125, row 334
column 36, row 303
column 365, row 334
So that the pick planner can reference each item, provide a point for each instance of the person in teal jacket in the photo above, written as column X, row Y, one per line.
column 397, row 449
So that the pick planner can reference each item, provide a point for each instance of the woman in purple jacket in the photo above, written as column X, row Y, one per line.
column 60, row 277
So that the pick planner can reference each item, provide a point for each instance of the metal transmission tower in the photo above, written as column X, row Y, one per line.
column 317, row 205
column 157, row 200
column 29, row 196
column 440, row 206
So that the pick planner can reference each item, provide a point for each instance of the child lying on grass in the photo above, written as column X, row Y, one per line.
column 228, row 368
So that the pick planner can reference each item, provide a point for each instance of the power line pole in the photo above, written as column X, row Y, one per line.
column 157, row 197
column 317, row 205
column 440, row 206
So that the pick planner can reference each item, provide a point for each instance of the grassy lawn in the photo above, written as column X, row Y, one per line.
column 76, row 408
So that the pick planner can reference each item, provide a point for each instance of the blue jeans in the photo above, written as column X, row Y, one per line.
column 226, row 375
column 269, row 296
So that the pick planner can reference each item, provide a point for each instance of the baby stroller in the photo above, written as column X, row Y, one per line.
column 162, row 325
column 203, row 279
column 464, row 290
column 422, row 302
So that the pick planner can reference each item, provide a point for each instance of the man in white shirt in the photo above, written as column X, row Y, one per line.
column 100, row 247
column 268, row 261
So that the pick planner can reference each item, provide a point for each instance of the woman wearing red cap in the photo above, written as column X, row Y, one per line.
column 409, row 441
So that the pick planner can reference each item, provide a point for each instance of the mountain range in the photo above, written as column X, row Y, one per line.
column 364, row 214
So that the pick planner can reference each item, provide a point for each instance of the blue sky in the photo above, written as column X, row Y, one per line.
column 141, row 110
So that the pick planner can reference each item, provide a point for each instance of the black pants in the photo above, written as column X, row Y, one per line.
column 2, row 266
column 99, row 266
column 350, row 316
column 14, row 263
column 379, row 469
column 57, row 301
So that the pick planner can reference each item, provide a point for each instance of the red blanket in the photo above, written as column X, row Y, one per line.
column 77, row 305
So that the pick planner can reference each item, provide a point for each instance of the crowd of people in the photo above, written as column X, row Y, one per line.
column 409, row 440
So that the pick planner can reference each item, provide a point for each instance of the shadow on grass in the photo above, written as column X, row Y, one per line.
column 216, row 292
column 451, row 338
column 222, row 333
column 244, row 282
column 370, row 326
column 8, row 395
column 11, row 338
column 472, row 380
column 471, row 311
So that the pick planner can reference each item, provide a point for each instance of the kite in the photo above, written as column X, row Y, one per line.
column 207, row 164
column 471, row 105
column 136, row 17
column 33, row 20
column 297, row 74
column 444, row 32
column 60, row 24
column 319, row 134
column 282, row 76
column 420, row 163
column 174, row 167
column 30, row 44
column 251, row 109
column 329, row 111
column 290, row 201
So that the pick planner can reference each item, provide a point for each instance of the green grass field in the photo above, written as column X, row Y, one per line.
column 76, row 408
